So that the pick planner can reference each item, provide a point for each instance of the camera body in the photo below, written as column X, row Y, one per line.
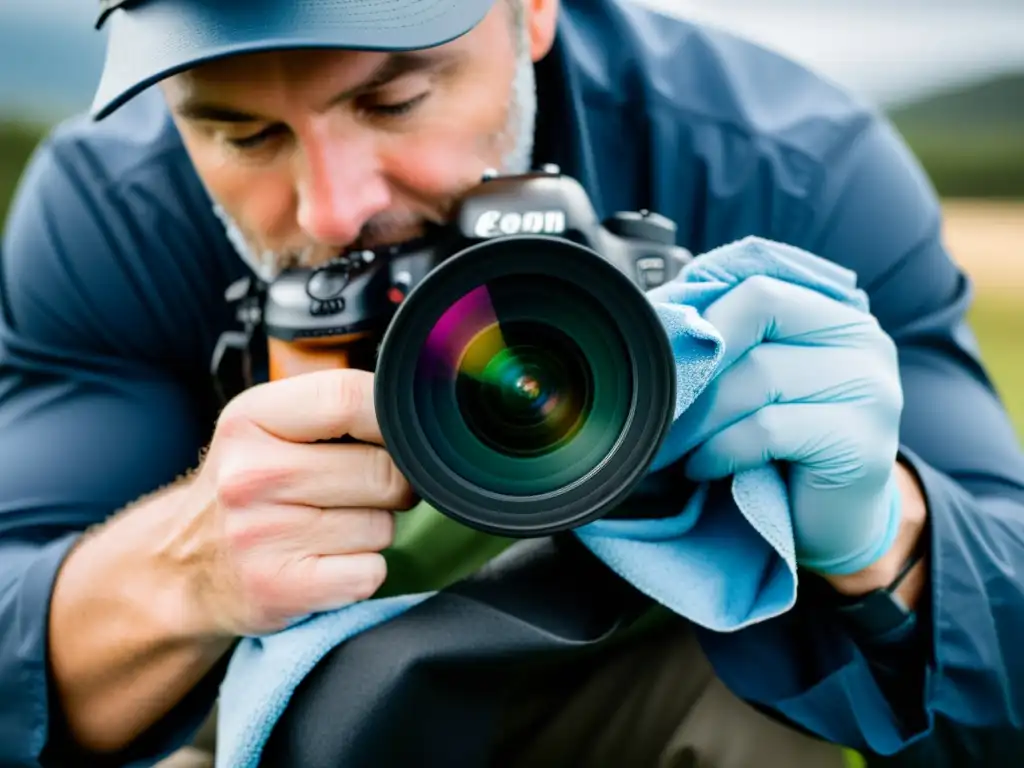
column 336, row 315
column 523, row 381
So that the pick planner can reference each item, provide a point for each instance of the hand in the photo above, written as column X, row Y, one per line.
column 289, row 526
column 814, row 384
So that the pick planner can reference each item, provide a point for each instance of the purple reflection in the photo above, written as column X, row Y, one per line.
column 455, row 329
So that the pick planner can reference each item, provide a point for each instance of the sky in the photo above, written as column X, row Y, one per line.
column 888, row 50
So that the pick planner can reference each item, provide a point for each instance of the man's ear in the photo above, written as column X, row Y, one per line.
column 541, row 23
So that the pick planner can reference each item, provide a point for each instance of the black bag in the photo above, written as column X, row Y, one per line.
column 437, row 685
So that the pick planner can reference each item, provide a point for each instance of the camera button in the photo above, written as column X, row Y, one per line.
column 399, row 289
column 642, row 225
column 327, row 283
column 650, row 271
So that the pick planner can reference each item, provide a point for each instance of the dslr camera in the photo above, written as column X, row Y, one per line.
column 523, row 381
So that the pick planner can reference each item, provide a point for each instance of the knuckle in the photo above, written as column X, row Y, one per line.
column 744, row 311
column 238, row 536
column 245, row 531
column 237, row 488
column 761, row 290
column 233, row 421
column 242, row 484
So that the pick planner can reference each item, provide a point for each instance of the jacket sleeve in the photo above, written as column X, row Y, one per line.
column 90, row 420
column 957, row 695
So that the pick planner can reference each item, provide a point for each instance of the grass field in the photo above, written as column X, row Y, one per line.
column 998, row 319
column 987, row 238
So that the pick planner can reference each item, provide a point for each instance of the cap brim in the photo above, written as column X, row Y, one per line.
column 155, row 40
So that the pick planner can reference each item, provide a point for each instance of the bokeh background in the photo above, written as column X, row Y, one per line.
column 950, row 73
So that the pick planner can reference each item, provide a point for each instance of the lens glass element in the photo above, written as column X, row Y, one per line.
column 524, row 385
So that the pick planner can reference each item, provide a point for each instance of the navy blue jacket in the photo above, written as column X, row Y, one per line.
column 111, row 281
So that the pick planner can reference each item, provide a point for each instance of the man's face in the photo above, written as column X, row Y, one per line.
column 311, row 153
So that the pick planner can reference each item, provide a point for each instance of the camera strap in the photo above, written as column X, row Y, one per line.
column 239, row 354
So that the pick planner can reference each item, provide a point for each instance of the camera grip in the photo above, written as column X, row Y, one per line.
column 291, row 358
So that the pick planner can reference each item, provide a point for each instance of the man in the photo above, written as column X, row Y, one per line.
column 284, row 132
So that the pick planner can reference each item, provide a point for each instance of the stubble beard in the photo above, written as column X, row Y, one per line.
column 515, row 139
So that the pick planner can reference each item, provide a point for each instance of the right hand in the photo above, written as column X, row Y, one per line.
column 289, row 526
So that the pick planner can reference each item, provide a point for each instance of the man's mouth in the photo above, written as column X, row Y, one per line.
column 383, row 243
column 389, row 239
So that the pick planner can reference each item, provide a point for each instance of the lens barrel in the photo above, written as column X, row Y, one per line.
column 524, row 386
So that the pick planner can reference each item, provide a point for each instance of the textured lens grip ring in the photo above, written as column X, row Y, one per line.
column 651, row 372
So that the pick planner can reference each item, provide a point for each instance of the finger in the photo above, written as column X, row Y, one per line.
column 748, row 444
column 320, row 405
column 816, row 436
column 351, row 531
column 306, row 531
column 321, row 475
column 779, row 373
column 764, row 308
column 837, row 484
column 320, row 584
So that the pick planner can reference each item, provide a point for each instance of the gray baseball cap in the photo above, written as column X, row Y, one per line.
column 149, row 40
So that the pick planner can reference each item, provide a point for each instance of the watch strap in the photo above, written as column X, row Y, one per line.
column 880, row 617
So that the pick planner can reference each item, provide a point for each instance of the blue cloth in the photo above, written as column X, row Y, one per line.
column 113, row 267
column 724, row 566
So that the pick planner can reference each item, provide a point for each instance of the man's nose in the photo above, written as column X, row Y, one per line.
column 340, row 189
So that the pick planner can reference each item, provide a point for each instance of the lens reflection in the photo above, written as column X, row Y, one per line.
column 522, row 385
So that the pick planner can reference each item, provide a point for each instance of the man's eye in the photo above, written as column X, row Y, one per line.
column 249, row 142
column 398, row 109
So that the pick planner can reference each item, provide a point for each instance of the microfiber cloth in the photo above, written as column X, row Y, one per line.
column 725, row 561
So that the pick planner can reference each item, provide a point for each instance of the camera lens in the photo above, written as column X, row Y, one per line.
column 524, row 386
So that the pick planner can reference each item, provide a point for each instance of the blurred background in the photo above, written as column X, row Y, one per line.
column 950, row 73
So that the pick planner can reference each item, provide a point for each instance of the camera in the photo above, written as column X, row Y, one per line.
column 523, row 381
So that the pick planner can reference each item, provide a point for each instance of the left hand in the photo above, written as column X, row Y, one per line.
column 812, row 383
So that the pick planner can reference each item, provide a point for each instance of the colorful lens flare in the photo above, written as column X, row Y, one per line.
column 468, row 317
column 521, row 382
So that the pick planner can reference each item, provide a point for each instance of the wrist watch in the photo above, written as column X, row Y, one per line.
column 880, row 617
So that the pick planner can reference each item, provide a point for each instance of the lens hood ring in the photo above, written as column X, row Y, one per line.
column 650, row 371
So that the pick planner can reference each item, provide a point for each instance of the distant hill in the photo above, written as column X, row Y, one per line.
column 970, row 138
column 16, row 144
column 993, row 105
